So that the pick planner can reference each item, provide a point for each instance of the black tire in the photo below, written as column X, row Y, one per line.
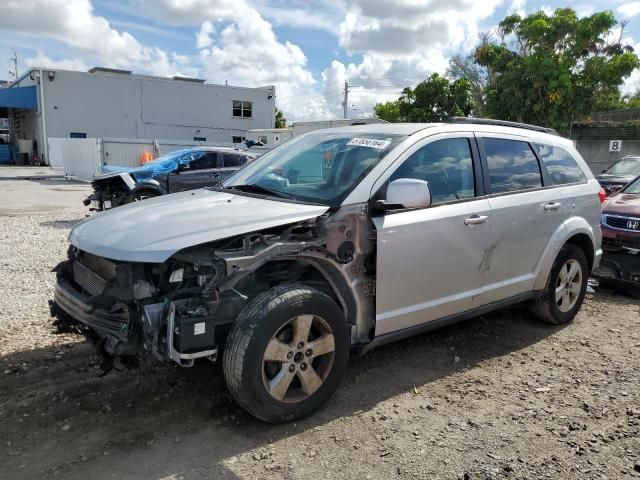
column 262, row 318
column 141, row 195
column 546, row 307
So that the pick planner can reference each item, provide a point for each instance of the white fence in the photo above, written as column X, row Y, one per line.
column 83, row 157
column 80, row 157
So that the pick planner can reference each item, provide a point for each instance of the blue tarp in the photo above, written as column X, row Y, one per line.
column 165, row 164
column 19, row 97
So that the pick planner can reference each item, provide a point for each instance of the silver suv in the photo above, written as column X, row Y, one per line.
column 340, row 239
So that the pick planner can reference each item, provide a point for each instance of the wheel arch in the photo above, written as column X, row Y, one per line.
column 338, row 284
column 147, row 187
column 575, row 231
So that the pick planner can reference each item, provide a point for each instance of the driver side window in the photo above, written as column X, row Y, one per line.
column 448, row 167
column 207, row 161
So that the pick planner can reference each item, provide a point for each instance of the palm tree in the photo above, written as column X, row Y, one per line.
column 408, row 96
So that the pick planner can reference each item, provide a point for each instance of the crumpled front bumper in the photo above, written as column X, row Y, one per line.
column 114, row 327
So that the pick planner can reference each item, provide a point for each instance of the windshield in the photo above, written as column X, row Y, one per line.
column 317, row 167
column 627, row 166
column 633, row 187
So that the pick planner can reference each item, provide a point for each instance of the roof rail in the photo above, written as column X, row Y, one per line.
column 501, row 123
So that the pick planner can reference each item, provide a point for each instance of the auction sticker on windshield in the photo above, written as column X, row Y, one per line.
column 369, row 142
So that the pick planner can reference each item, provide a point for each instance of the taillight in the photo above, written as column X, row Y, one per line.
column 602, row 195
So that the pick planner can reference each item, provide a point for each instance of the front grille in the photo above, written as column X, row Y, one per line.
column 623, row 223
column 92, row 283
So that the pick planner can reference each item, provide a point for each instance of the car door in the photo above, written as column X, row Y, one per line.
column 526, row 210
column 199, row 172
column 429, row 261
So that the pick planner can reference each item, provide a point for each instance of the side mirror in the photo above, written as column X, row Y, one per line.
column 407, row 193
column 183, row 166
column 604, row 171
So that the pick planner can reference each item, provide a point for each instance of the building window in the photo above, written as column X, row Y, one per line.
column 236, row 139
column 77, row 135
column 242, row 109
column 199, row 139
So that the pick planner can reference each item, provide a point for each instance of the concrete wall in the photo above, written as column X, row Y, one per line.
column 130, row 106
column 597, row 155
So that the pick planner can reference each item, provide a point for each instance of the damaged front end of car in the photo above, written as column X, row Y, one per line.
column 182, row 309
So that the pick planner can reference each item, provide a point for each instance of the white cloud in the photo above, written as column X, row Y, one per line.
column 401, row 43
column 519, row 7
column 203, row 37
column 41, row 60
column 193, row 12
column 238, row 45
column 74, row 23
column 325, row 15
column 629, row 10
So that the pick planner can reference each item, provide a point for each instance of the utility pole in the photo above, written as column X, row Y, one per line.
column 345, row 102
column 14, row 59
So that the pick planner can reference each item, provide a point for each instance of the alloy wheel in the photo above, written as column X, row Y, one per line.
column 298, row 358
column 568, row 285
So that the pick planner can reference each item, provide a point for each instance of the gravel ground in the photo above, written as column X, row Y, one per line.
column 30, row 246
column 500, row 396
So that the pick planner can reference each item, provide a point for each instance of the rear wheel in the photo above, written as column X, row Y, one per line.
column 566, row 287
column 287, row 353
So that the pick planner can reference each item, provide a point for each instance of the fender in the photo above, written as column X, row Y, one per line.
column 569, row 228
column 149, row 184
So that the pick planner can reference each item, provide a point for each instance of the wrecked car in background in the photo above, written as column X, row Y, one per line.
column 339, row 239
column 181, row 170
column 620, row 266
column 614, row 178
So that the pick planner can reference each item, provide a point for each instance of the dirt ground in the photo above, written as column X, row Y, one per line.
column 500, row 396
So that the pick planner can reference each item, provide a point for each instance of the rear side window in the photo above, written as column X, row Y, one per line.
column 446, row 165
column 232, row 160
column 512, row 165
column 562, row 167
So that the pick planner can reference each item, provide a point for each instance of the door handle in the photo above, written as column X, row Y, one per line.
column 552, row 206
column 476, row 220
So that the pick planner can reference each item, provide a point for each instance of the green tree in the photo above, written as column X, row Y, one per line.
column 432, row 100
column 559, row 67
column 281, row 121
column 466, row 67
column 389, row 111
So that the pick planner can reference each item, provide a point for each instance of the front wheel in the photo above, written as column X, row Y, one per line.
column 566, row 287
column 287, row 353
column 140, row 195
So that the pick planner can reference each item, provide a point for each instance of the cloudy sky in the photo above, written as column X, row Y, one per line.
column 307, row 48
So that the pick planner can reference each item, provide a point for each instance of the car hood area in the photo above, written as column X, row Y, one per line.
column 627, row 204
column 153, row 230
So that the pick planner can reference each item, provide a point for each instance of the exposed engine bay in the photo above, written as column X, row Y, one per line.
column 182, row 309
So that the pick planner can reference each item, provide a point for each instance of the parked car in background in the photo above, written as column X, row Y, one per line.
column 621, row 238
column 339, row 239
column 181, row 170
column 614, row 178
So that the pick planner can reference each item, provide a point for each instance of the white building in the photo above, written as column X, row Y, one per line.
column 49, row 103
column 271, row 137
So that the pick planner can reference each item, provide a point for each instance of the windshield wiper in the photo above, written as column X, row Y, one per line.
column 255, row 188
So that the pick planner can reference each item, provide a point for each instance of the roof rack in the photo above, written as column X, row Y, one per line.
column 501, row 123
